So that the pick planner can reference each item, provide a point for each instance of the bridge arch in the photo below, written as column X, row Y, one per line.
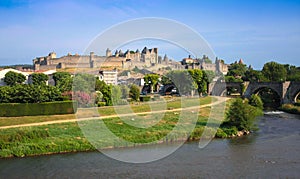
column 167, row 89
column 272, row 95
column 295, row 96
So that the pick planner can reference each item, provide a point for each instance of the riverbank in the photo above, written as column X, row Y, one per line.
column 68, row 137
column 290, row 108
column 63, row 136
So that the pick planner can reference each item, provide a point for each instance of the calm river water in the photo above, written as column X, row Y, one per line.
column 272, row 152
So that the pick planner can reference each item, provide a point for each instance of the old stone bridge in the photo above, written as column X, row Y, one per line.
column 287, row 91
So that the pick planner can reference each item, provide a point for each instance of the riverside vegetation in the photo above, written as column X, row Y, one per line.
column 68, row 137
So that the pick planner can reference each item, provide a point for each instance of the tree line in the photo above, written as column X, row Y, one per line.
column 87, row 89
column 271, row 72
column 185, row 81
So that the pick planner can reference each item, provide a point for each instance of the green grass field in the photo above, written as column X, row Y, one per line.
column 127, row 131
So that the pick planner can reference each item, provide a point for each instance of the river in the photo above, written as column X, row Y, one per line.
column 271, row 152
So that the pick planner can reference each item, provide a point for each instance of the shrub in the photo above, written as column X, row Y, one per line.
column 134, row 92
column 241, row 115
column 145, row 98
column 220, row 134
column 256, row 101
column 100, row 104
column 34, row 109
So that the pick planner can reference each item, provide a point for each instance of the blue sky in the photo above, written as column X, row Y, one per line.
column 256, row 31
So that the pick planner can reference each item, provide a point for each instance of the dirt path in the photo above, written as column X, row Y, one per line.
column 111, row 116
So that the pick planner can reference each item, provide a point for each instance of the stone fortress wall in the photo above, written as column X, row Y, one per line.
column 147, row 58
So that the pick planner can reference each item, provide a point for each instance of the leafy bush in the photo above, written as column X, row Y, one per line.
column 241, row 115
column 256, row 101
column 100, row 104
column 34, row 109
column 220, row 134
column 21, row 93
column 134, row 92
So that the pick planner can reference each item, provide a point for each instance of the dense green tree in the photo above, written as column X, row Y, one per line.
column 39, row 78
column 124, row 91
column 21, row 93
column 107, row 94
column 165, row 80
column 183, row 81
column 256, row 101
column 237, row 69
column 84, row 82
column 254, row 76
column 12, row 78
column 116, row 94
column 99, row 85
column 63, row 80
column 200, row 79
column 241, row 115
column 152, row 80
column 208, row 75
column 293, row 72
column 6, row 94
column 232, row 79
column 274, row 71
column 134, row 92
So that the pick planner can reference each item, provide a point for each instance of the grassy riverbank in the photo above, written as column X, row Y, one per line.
column 290, row 108
column 71, row 136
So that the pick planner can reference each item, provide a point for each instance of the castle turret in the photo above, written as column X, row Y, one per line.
column 52, row 55
column 92, row 54
column 121, row 53
column 116, row 53
column 108, row 52
column 166, row 59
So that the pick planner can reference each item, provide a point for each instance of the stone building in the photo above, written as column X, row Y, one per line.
column 109, row 77
column 205, row 63
column 118, row 59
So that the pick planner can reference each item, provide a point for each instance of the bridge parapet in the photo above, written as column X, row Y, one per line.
column 287, row 91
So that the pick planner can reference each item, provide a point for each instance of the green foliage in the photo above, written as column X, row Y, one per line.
column 84, row 82
column 220, row 133
column 106, row 91
column 116, row 94
column 256, row 101
column 124, row 91
column 101, row 104
column 29, row 94
column 254, row 76
column 208, row 75
column 39, row 78
column 145, row 98
column 269, row 97
column 232, row 79
column 12, row 78
column 241, row 115
column 294, row 109
column 34, row 109
column 182, row 80
column 237, row 69
column 63, row 81
column 134, row 92
column 165, row 80
column 293, row 72
column 152, row 80
column 274, row 72
column 107, row 96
